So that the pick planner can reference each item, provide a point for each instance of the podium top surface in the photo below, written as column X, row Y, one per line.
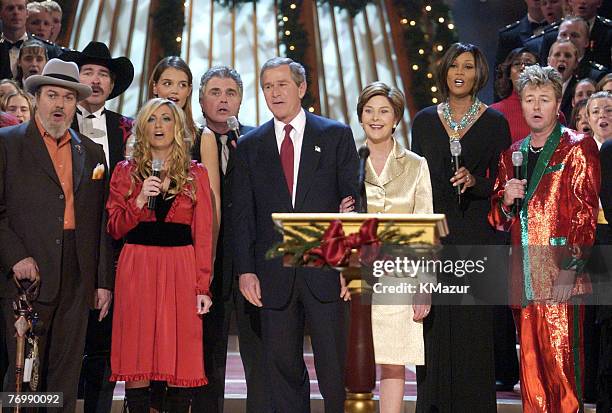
column 437, row 220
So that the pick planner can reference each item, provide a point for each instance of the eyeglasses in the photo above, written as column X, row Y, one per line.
column 518, row 63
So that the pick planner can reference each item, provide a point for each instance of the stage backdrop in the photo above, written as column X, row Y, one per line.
column 351, row 52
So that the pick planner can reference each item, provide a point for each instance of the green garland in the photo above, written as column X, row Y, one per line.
column 293, row 37
column 423, row 33
column 298, row 242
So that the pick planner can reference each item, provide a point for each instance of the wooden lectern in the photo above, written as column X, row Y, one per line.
column 361, row 371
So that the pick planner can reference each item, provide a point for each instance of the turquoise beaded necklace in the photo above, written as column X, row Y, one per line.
column 464, row 122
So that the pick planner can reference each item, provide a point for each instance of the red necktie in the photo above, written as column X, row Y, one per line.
column 286, row 155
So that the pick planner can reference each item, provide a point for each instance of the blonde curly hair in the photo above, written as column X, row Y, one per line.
column 179, row 160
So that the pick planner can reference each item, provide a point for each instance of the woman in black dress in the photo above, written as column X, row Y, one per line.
column 459, row 372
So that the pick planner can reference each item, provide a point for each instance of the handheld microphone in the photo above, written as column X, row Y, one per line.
column 363, row 152
column 517, row 161
column 455, row 150
column 156, row 166
column 233, row 125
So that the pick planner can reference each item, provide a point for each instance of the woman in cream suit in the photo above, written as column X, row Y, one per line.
column 397, row 181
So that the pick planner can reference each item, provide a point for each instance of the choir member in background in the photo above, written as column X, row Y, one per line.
column 584, row 88
column 18, row 104
column 605, row 83
column 56, row 18
column 505, row 88
column 564, row 58
column 8, row 85
column 580, row 119
column 39, row 22
column 516, row 34
column 32, row 58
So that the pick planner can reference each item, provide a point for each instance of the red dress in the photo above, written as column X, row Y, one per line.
column 157, row 333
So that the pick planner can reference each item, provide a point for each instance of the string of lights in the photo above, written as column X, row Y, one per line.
column 428, row 29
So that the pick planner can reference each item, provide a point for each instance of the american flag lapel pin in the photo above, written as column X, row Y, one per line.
column 317, row 148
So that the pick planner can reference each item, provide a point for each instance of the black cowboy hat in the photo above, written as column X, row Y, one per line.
column 97, row 53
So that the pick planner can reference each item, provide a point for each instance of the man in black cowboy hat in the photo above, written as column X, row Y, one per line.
column 108, row 79
column 53, row 185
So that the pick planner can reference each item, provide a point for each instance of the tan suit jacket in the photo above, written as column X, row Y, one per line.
column 403, row 185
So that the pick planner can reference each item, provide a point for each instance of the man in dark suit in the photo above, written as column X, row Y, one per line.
column 593, row 37
column 108, row 78
column 516, row 34
column 13, row 14
column 220, row 98
column 296, row 162
column 53, row 183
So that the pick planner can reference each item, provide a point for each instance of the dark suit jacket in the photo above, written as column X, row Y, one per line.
column 599, row 44
column 585, row 70
column 566, row 99
column 510, row 37
column 32, row 210
column 53, row 50
column 224, row 262
column 117, row 127
column 328, row 172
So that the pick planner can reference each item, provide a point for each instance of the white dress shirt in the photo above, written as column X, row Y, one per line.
column 14, row 54
column 297, row 137
column 94, row 128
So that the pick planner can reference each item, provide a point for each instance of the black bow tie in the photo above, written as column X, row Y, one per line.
column 535, row 25
column 91, row 115
column 9, row 45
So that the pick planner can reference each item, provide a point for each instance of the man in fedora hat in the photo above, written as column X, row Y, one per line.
column 108, row 78
column 53, row 183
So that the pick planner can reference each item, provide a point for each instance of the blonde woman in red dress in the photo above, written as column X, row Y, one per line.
column 164, row 270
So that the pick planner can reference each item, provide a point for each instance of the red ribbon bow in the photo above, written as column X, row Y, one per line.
column 335, row 248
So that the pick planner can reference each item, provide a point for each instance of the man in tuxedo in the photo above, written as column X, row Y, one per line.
column 296, row 162
column 14, row 14
column 220, row 98
column 516, row 34
column 108, row 78
column 53, row 184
